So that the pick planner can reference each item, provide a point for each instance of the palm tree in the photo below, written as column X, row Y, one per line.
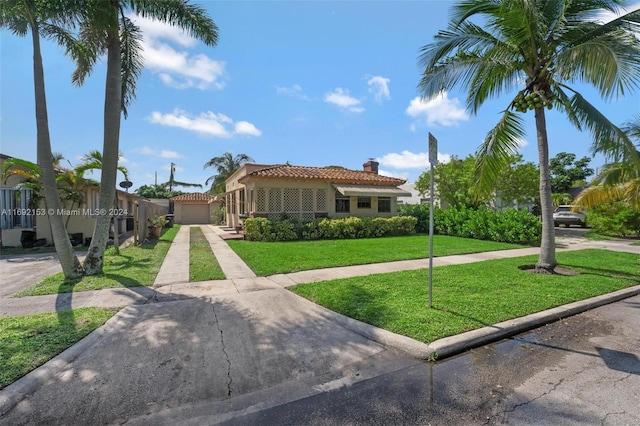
column 51, row 19
column 106, row 29
column 225, row 164
column 618, row 181
column 539, row 46
column 173, row 182
column 93, row 161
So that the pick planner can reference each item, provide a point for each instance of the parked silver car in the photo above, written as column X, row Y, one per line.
column 569, row 215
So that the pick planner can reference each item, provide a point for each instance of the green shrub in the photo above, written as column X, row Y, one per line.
column 508, row 226
column 402, row 225
column 616, row 219
column 257, row 229
column 261, row 229
column 420, row 212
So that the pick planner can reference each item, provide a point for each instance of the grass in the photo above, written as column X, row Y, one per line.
column 134, row 267
column 284, row 257
column 636, row 244
column 470, row 296
column 28, row 341
column 203, row 265
column 592, row 235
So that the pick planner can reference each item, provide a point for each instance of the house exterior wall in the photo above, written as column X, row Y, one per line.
column 12, row 227
column 300, row 199
column 179, row 207
column 82, row 219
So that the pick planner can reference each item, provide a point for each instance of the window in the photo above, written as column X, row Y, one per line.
column 242, row 196
column 343, row 204
column 384, row 204
column 14, row 208
column 364, row 202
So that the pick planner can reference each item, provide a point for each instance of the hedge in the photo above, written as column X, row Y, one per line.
column 509, row 225
column 261, row 229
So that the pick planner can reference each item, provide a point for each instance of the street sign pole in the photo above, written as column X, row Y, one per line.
column 433, row 161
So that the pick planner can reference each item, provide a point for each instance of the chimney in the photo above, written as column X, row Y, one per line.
column 371, row 166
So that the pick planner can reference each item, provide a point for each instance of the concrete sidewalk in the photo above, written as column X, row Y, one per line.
column 180, row 343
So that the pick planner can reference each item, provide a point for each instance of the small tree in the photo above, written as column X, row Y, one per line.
column 566, row 172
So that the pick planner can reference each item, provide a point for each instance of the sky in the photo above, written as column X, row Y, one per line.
column 312, row 83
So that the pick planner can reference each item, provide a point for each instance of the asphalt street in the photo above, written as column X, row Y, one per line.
column 583, row 370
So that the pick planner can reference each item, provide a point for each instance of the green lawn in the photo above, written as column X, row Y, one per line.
column 134, row 267
column 470, row 296
column 275, row 258
column 28, row 341
column 203, row 265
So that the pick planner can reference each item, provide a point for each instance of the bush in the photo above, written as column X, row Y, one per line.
column 420, row 212
column 617, row 219
column 261, row 229
column 509, row 225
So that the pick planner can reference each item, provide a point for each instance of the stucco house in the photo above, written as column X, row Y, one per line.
column 18, row 213
column 195, row 208
column 306, row 193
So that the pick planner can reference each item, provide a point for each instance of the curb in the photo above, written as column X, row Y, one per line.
column 29, row 383
column 452, row 345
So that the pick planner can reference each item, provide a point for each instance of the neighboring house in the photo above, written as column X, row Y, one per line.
column 414, row 197
column 15, row 212
column 194, row 208
column 306, row 193
column 18, row 216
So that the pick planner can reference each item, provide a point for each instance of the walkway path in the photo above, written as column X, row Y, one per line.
column 172, row 281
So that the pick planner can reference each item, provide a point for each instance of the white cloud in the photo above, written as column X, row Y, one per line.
column 341, row 98
column 170, row 154
column 294, row 91
column 438, row 110
column 246, row 128
column 146, row 150
column 522, row 142
column 410, row 160
column 207, row 124
column 379, row 87
column 177, row 69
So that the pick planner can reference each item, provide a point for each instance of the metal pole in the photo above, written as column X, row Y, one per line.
column 430, row 234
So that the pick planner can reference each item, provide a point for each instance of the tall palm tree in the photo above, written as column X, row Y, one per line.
column 106, row 29
column 618, row 180
column 540, row 47
column 50, row 19
column 173, row 182
column 225, row 164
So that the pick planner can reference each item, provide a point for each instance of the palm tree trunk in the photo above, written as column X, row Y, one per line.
column 68, row 260
column 112, row 107
column 547, row 260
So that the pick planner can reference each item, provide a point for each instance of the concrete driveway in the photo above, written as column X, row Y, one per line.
column 20, row 271
column 161, row 356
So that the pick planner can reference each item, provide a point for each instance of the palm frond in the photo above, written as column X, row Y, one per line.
column 493, row 155
column 608, row 139
column 132, row 61
column 192, row 18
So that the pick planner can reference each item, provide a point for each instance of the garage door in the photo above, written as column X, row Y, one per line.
column 193, row 214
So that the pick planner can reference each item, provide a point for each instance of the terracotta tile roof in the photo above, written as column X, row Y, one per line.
column 194, row 196
column 330, row 174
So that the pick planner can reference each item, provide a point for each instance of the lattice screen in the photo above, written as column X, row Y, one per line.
column 321, row 200
column 291, row 200
column 275, row 200
column 307, row 200
column 261, row 202
column 307, row 216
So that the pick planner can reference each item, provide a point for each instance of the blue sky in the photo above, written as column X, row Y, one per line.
column 312, row 83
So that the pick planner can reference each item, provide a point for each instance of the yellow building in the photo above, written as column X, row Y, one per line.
column 307, row 193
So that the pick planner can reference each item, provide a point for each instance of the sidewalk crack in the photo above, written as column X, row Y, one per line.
column 224, row 350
